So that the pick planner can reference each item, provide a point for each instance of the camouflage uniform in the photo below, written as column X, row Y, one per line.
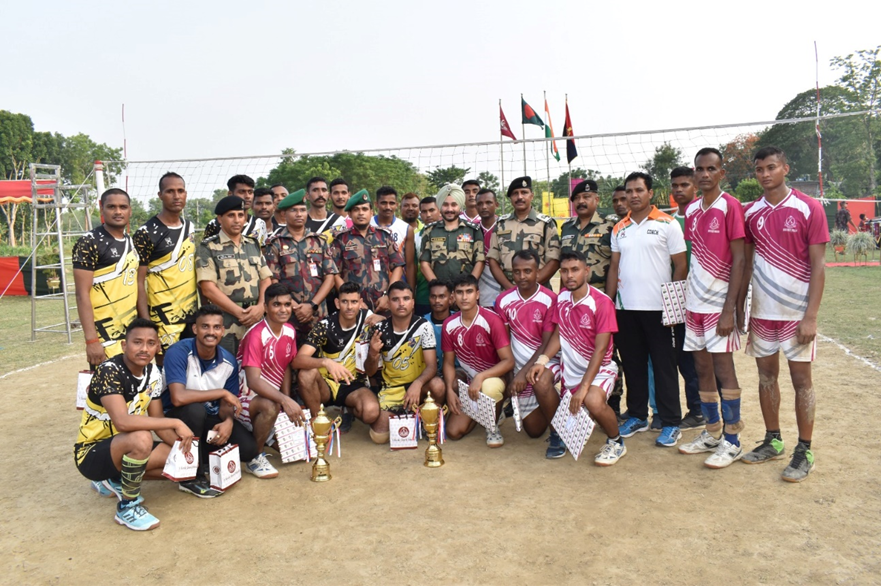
column 537, row 232
column 237, row 272
column 594, row 242
column 366, row 260
column 452, row 252
column 254, row 227
column 291, row 263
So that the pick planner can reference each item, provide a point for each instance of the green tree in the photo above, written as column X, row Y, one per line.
column 200, row 210
column 443, row 175
column 748, row 190
column 737, row 158
column 16, row 151
column 488, row 181
column 665, row 158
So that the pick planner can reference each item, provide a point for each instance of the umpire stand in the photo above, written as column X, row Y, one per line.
column 43, row 179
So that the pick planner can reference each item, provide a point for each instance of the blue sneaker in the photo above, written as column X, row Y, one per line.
column 99, row 487
column 134, row 516
column 669, row 437
column 633, row 426
column 115, row 487
column 556, row 449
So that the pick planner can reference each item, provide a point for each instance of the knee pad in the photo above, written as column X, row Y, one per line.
column 731, row 408
column 379, row 437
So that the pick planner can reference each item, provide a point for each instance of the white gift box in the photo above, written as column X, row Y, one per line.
column 673, row 295
column 225, row 467
column 180, row 466
column 82, row 388
column 574, row 430
column 361, row 348
column 292, row 438
column 403, row 432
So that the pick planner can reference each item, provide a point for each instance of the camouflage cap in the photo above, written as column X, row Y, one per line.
column 228, row 204
column 296, row 198
column 357, row 199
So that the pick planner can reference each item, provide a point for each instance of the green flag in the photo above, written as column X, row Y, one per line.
column 529, row 115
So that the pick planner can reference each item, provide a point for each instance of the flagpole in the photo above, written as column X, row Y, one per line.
column 502, row 150
column 568, row 162
column 548, row 152
column 523, row 130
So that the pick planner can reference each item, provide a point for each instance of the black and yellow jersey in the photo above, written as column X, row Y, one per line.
column 331, row 340
column 168, row 253
column 114, row 294
column 403, row 360
column 112, row 377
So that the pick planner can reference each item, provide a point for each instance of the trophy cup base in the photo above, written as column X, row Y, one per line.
column 321, row 472
column 434, row 463
column 434, row 458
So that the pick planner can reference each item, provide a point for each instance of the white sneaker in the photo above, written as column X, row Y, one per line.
column 261, row 468
column 612, row 452
column 702, row 443
column 494, row 438
column 725, row 455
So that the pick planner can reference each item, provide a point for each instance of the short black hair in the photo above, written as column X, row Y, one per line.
column 338, row 181
column 619, row 188
column 275, row 290
column 862, row 216
column 471, row 182
column 278, row 185
column 769, row 151
column 315, row 180
column 114, row 191
column 263, row 192
column 400, row 286
column 682, row 172
column 169, row 175
column 465, row 279
column 573, row 255
column 140, row 322
column 207, row 309
column 526, row 254
column 709, row 151
column 386, row 190
column 239, row 179
column 350, row 287
column 429, row 199
column 485, row 190
column 438, row 283
column 639, row 175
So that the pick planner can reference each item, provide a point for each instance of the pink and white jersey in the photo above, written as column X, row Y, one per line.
column 475, row 345
column 579, row 323
column 262, row 349
column 711, row 232
column 528, row 319
column 782, row 235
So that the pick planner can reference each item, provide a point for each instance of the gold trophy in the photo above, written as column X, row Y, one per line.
column 321, row 426
column 429, row 412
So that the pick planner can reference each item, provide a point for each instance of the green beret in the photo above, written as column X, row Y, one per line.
column 296, row 198
column 357, row 199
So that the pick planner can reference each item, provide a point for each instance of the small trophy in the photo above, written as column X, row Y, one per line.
column 429, row 412
column 321, row 426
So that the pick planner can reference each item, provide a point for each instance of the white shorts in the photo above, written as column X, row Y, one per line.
column 554, row 367
column 767, row 337
column 605, row 379
column 244, row 416
column 527, row 403
column 700, row 334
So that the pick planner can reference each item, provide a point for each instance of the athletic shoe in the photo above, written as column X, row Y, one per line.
column 115, row 488
column 99, row 487
column 702, row 443
column 725, row 455
column 134, row 516
column 669, row 437
column 656, row 425
column 770, row 448
column 494, row 438
column 261, row 468
column 508, row 410
column 632, row 426
column 556, row 448
column 346, row 421
column 800, row 466
column 199, row 487
column 612, row 452
column 693, row 421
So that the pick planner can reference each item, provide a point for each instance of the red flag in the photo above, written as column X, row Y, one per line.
column 503, row 125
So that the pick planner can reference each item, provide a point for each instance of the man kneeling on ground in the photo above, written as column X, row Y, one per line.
column 114, row 448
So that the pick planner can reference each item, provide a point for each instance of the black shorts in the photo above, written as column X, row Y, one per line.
column 339, row 392
column 95, row 462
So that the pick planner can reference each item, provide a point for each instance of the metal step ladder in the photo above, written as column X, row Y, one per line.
column 49, row 193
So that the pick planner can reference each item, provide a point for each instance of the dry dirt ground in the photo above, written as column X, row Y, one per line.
column 487, row 517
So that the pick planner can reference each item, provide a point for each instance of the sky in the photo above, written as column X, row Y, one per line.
column 216, row 79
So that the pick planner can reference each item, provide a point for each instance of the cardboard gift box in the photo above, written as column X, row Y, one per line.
column 403, row 431
column 84, row 377
column 180, row 466
column 225, row 467
column 293, row 439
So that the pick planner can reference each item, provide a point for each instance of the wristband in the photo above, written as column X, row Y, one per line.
column 542, row 360
column 93, row 341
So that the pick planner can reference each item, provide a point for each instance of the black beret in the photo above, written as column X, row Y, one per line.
column 586, row 185
column 228, row 204
column 520, row 183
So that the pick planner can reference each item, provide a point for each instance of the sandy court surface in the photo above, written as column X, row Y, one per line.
column 487, row 517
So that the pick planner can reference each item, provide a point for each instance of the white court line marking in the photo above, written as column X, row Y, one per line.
column 36, row 366
column 847, row 351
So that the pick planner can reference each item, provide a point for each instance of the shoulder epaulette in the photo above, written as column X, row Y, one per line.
column 544, row 218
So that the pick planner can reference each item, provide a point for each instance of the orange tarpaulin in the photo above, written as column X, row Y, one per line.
column 20, row 191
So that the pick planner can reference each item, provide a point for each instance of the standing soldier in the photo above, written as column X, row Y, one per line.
column 524, row 229
column 231, row 272
column 166, row 247
column 367, row 255
column 301, row 261
column 105, row 268
column 452, row 246
column 241, row 186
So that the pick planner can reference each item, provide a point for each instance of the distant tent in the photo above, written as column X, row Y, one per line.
column 20, row 191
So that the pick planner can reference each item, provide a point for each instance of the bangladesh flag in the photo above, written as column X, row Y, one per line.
column 529, row 115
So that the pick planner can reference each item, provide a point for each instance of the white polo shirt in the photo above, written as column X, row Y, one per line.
column 646, row 249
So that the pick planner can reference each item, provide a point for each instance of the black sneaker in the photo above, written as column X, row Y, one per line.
column 693, row 421
column 657, row 425
column 508, row 409
column 346, row 421
column 199, row 487
column 801, row 464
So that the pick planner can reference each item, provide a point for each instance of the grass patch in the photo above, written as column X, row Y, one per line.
column 851, row 309
column 16, row 349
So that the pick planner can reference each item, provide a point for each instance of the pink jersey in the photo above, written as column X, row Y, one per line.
column 711, row 232
column 528, row 320
column 579, row 325
column 475, row 346
column 782, row 235
column 262, row 349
